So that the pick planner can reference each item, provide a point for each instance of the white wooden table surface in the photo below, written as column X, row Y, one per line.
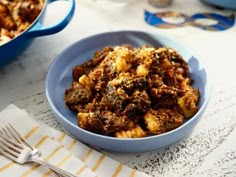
column 209, row 151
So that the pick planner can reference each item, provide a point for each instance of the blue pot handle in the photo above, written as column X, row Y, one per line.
column 40, row 30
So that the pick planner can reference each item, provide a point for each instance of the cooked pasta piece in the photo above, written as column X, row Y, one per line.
column 136, row 132
column 154, row 124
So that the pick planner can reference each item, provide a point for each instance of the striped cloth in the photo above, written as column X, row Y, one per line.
column 60, row 150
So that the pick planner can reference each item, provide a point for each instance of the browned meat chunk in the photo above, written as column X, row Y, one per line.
column 77, row 95
column 101, row 122
column 114, row 99
column 130, row 85
column 138, row 105
column 164, row 96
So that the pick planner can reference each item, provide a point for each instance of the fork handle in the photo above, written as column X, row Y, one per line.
column 58, row 170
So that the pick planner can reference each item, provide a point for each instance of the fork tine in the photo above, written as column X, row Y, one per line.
column 4, row 132
column 11, row 149
column 8, row 155
column 12, row 135
column 17, row 136
column 12, row 144
column 6, row 138
column 9, row 134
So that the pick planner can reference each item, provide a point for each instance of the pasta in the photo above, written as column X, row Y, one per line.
column 132, row 92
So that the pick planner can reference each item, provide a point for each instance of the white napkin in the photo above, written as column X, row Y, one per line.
column 59, row 149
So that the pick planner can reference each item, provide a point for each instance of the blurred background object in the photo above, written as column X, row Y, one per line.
column 160, row 3
column 230, row 4
column 205, row 21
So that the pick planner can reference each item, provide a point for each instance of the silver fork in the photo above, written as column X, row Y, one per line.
column 13, row 134
column 16, row 148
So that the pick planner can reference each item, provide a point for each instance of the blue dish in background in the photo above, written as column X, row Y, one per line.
column 229, row 4
column 15, row 46
column 59, row 78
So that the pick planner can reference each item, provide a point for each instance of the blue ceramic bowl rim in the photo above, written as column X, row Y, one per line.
column 200, row 111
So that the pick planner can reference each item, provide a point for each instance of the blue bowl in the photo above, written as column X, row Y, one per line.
column 59, row 78
column 10, row 50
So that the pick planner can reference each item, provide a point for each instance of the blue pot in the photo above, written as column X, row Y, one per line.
column 14, row 47
column 231, row 4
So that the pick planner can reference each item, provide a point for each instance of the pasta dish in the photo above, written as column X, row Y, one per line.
column 16, row 16
column 132, row 92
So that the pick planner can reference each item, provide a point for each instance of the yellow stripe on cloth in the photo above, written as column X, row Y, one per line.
column 81, row 170
column 34, row 167
column 118, row 169
column 61, row 137
column 133, row 173
column 87, row 155
column 59, row 164
column 7, row 166
column 64, row 160
column 41, row 141
column 99, row 161
column 54, row 152
column 31, row 132
column 72, row 144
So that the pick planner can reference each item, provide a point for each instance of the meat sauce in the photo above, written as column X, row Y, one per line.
column 129, row 92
